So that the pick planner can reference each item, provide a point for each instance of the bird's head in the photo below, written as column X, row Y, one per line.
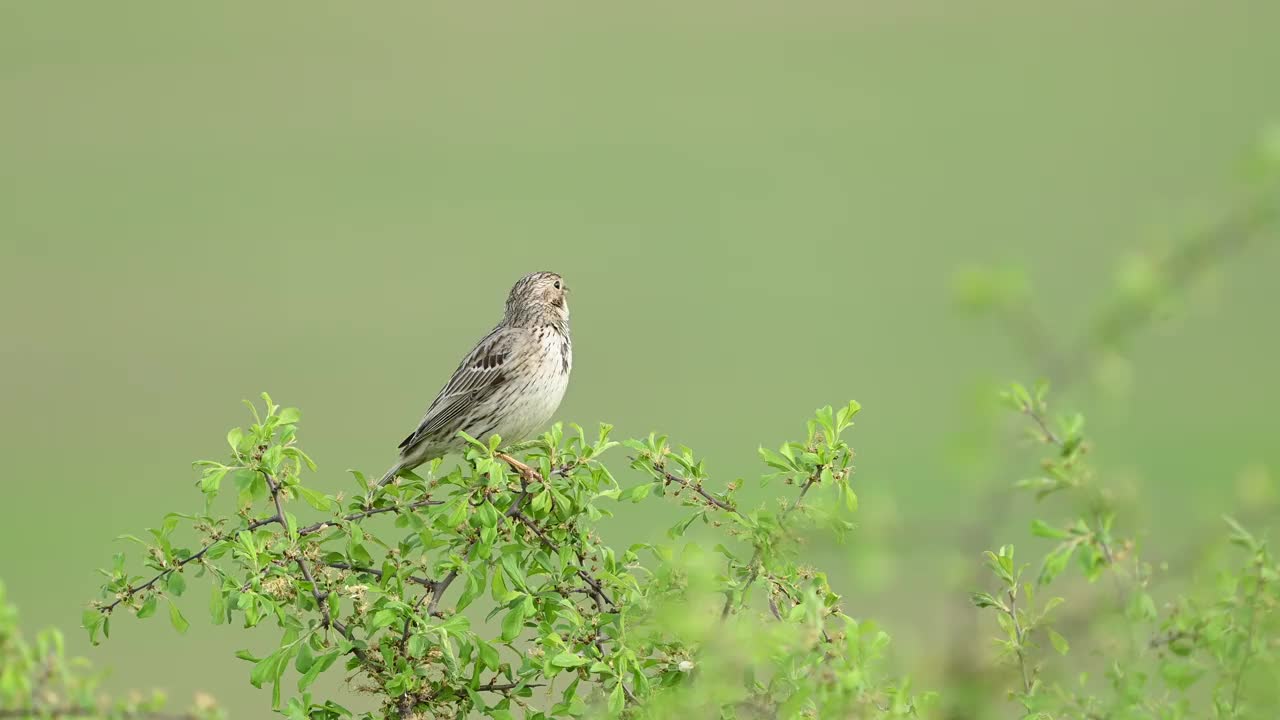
column 539, row 298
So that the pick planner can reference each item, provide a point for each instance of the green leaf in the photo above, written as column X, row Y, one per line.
column 317, row 500
column 513, row 623
column 212, row 480
column 273, row 666
column 475, row 586
column 850, row 498
column 1180, row 674
column 985, row 600
column 176, row 584
column 318, row 665
column 774, row 460
column 617, row 699
column 679, row 528
column 218, row 605
column 305, row 658
column 383, row 618
column 264, row 669
column 498, row 589
column 148, row 607
column 844, row 418
column 1239, row 536
column 474, row 442
column 1040, row 528
column 541, row 502
column 92, row 620
column 175, row 617
column 569, row 660
column 1055, row 562
column 637, row 493
column 290, row 415
column 1059, row 643
column 1020, row 396
column 487, row 515
column 488, row 655
column 450, row 657
column 458, row 514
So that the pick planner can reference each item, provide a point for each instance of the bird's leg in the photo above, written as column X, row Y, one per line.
column 526, row 472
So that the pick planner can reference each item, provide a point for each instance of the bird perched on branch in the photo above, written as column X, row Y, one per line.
column 511, row 382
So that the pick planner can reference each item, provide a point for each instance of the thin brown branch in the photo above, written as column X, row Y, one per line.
column 1040, row 422
column 496, row 686
column 424, row 582
column 597, row 590
column 352, row 517
column 129, row 592
column 697, row 488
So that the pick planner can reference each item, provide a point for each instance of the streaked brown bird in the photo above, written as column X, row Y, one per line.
column 511, row 382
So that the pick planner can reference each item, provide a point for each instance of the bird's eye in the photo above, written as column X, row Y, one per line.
column 557, row 284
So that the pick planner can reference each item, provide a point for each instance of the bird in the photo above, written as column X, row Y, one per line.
column 510, row 384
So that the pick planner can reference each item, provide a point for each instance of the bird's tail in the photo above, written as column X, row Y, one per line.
column 391, row 474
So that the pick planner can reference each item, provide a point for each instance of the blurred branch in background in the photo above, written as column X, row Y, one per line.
column 1132, row 311
column 1149, row 284
column 1148, row 287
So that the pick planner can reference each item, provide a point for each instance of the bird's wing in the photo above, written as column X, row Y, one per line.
column 480, row 373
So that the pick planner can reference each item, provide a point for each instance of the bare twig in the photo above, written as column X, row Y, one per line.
column 697, row 487
column 352, row 517
column 496, row 686
column 424, row 582
column 1043, row 424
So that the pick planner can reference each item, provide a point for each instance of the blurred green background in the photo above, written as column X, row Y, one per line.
column 759, row 207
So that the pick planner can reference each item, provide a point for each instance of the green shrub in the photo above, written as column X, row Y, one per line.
column 1184, row 657
column 487, row 589
column 39, row 680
